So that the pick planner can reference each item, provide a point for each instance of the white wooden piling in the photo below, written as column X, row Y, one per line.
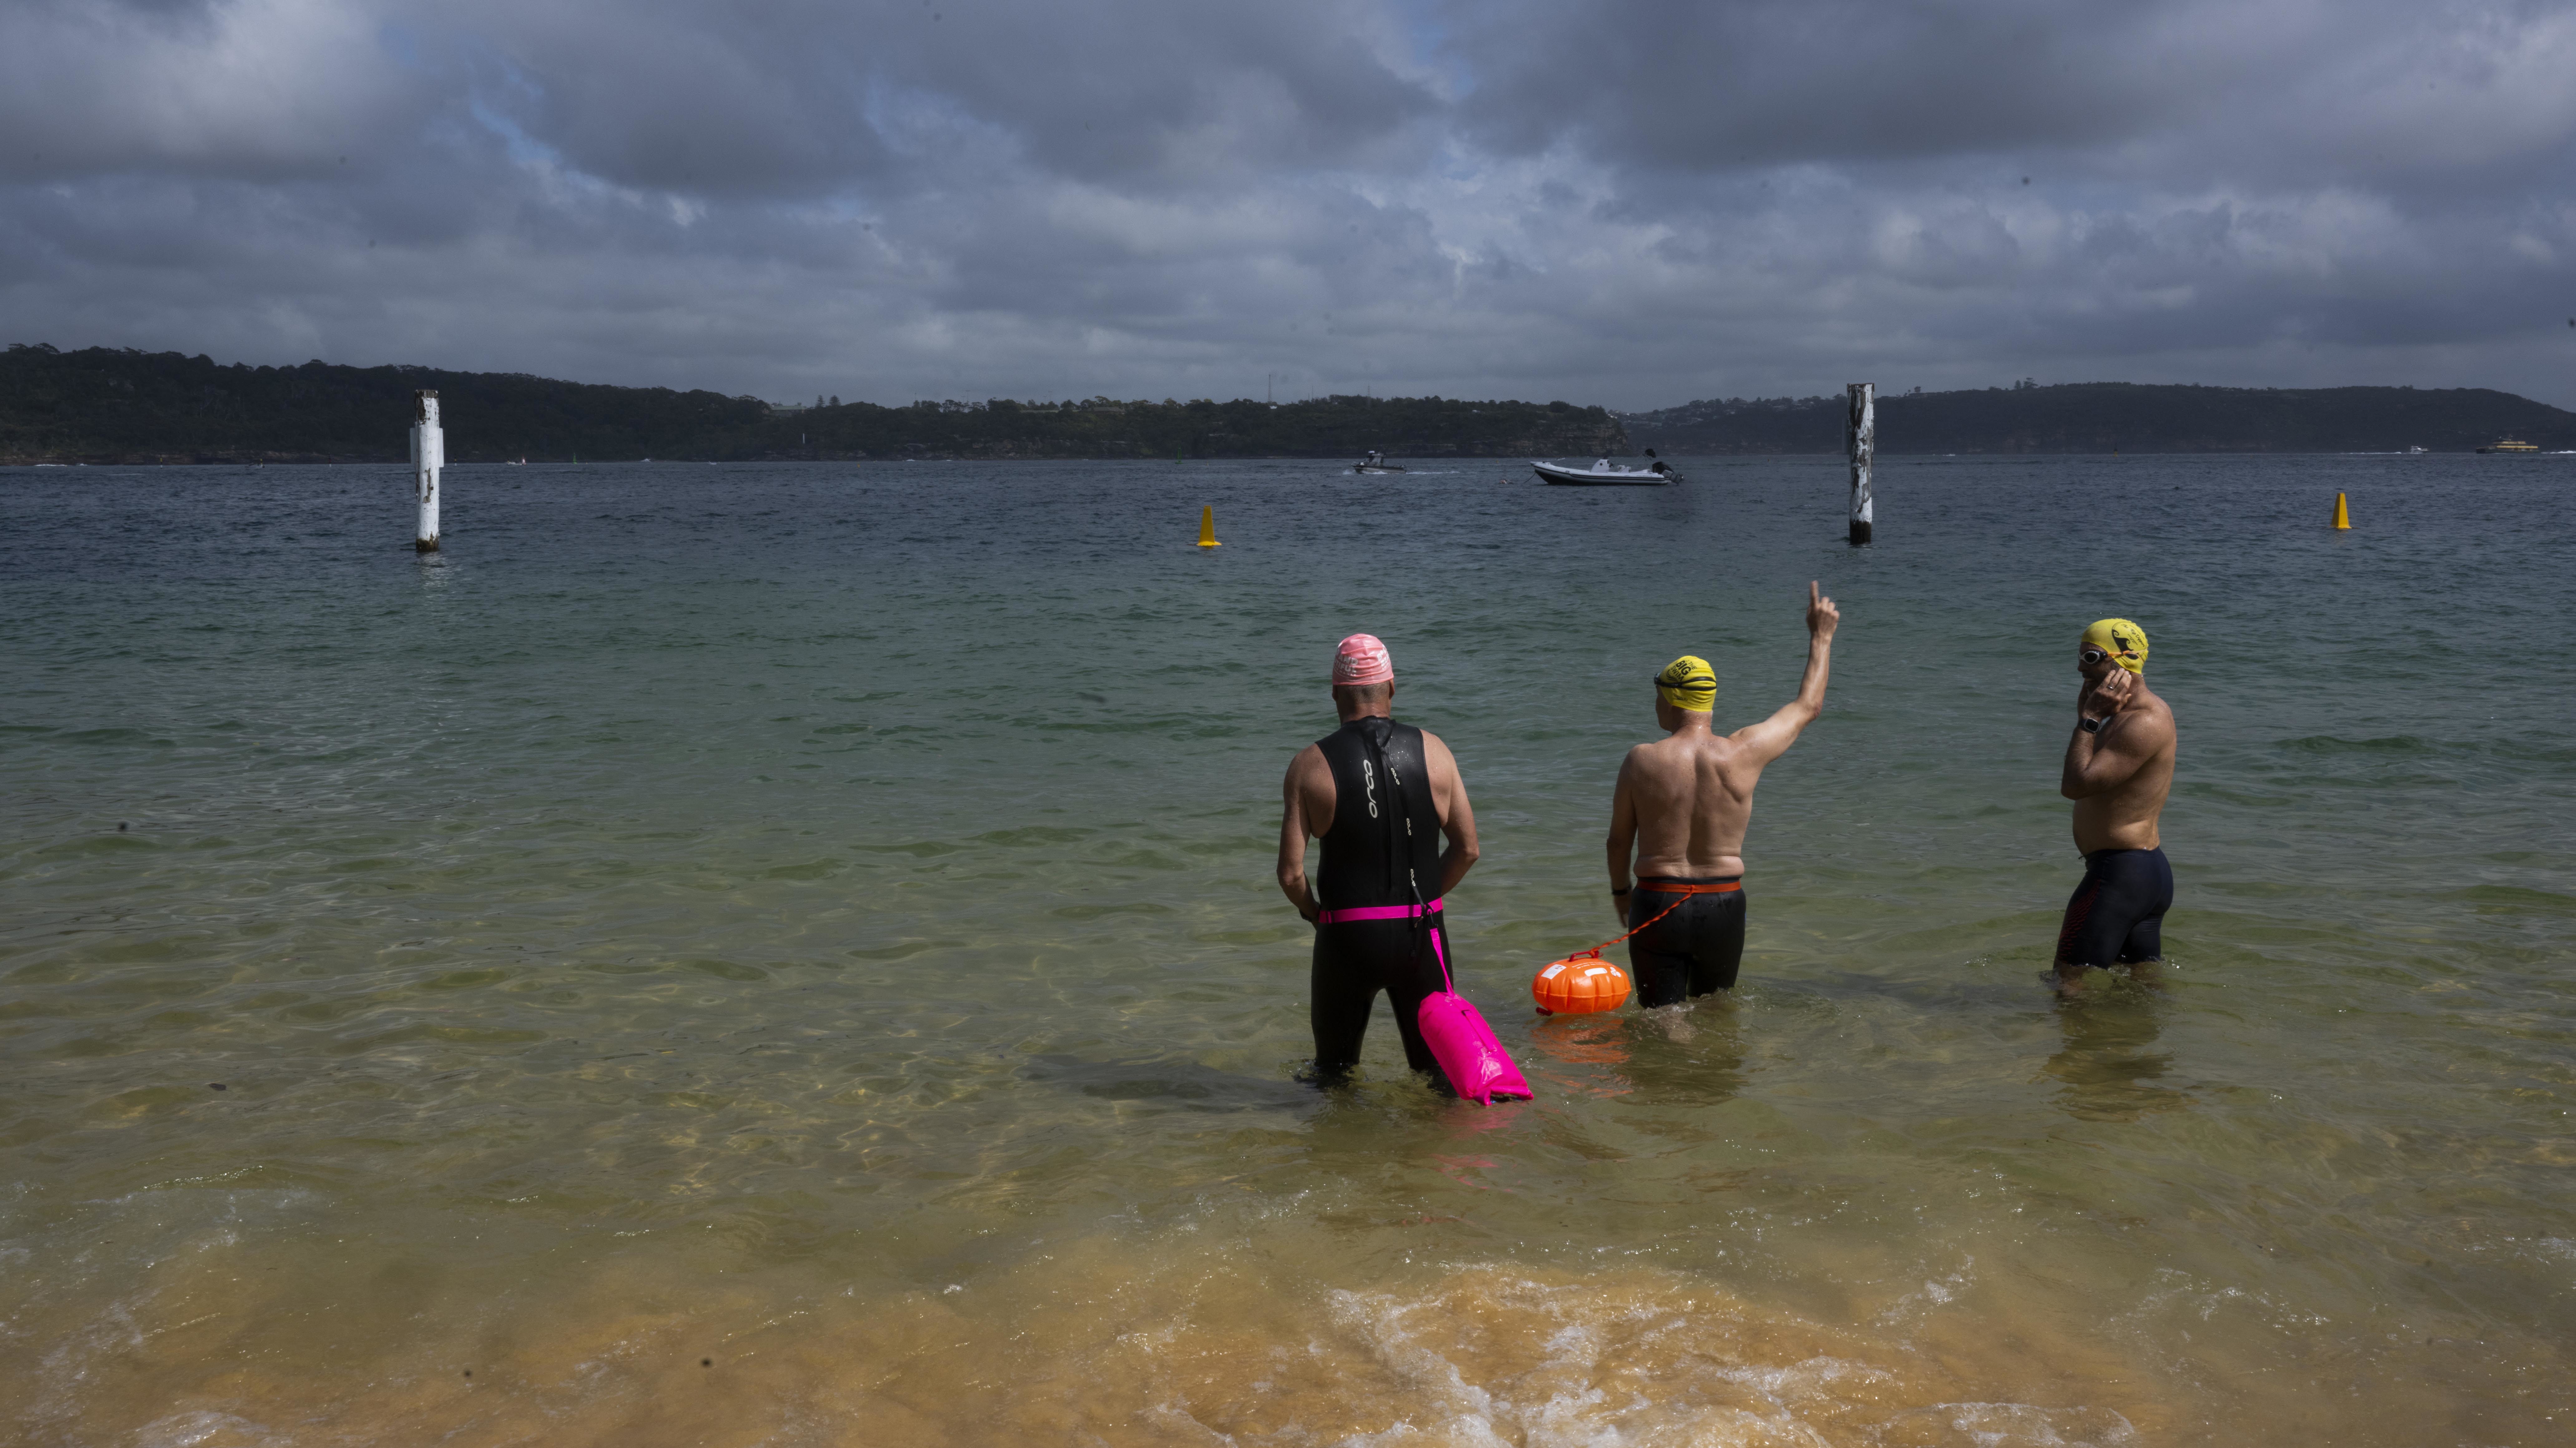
column 1860, row 437
column 428, row 455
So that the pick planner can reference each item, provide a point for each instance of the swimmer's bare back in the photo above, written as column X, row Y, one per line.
column 1684, row 802
column 2119, row 774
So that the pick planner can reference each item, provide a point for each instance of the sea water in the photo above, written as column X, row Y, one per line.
column 788, row 955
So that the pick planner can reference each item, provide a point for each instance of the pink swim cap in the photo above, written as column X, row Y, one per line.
column 1361, row 659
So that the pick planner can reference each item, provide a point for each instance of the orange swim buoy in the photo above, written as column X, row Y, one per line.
column 1580, row 985
column 1584, row 983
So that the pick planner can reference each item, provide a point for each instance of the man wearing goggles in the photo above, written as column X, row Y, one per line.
column 2119, row 768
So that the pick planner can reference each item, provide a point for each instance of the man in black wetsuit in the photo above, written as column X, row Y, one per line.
column 1381, row 796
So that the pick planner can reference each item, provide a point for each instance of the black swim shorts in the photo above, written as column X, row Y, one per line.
column 2117, row 916
column 1692, row 951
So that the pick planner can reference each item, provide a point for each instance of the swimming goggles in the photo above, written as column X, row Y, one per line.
column 2092, row 656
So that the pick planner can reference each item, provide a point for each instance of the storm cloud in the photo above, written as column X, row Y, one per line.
column 1630, row 203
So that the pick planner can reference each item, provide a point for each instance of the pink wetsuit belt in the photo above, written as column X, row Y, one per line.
column 1375, row 912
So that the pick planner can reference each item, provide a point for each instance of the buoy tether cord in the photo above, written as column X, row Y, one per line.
column 1683, row 892
column 1595, row 952
column 1207, row 527
column 2343, row 513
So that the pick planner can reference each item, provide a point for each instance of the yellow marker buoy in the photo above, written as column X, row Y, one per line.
column 1207, row 527
column 2343, row 514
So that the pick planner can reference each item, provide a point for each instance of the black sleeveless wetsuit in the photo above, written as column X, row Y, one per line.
column 1383, row 849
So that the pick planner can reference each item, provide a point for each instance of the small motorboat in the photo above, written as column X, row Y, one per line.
column 1601, row 475
column 1375, row 462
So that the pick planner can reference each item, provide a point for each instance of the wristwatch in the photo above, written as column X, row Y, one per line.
column 2091, row 726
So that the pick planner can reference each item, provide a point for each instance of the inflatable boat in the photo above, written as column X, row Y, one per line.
column 1602, row 475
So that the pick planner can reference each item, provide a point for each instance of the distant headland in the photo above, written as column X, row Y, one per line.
column 2106, row 417
column 104, row 405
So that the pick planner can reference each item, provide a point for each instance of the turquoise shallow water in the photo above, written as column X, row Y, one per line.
column 787, row 954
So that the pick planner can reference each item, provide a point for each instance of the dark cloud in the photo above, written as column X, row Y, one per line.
column 1695, row 86
column 2188, row 91
column 809, row 99
column 1634, row 203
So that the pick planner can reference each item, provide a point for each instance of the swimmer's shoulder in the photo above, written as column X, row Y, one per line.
column 1720, row 750
column 1308, row 763
column 1435, row 752
column 2160, row 717
column 1646, row 755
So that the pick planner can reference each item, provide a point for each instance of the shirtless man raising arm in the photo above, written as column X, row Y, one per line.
column 1681, row 809
column 2119, row 768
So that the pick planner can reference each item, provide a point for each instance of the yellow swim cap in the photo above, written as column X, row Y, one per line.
column 1688, row 683
column 2124, row 641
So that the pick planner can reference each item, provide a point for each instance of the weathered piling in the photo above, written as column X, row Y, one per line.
column 1860, row 438
column 428, row 455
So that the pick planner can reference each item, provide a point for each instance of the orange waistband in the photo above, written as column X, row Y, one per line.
column 1720, row 888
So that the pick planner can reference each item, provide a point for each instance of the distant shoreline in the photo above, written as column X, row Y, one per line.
column 127, row 408
column 2104, row 418
column 130, row 408
column 1339, row 464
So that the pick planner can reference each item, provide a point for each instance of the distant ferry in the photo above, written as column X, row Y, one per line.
column 2512, row 445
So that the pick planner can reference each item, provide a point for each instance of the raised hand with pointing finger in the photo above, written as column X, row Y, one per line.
column 1821, row 613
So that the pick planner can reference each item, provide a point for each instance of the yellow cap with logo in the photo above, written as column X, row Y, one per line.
column 2124, row 641
column 1688, row 683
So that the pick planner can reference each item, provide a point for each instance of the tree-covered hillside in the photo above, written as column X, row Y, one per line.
column 102, row 405
column 2102, row 417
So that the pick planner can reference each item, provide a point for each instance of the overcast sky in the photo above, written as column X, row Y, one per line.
column 1635, row 204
